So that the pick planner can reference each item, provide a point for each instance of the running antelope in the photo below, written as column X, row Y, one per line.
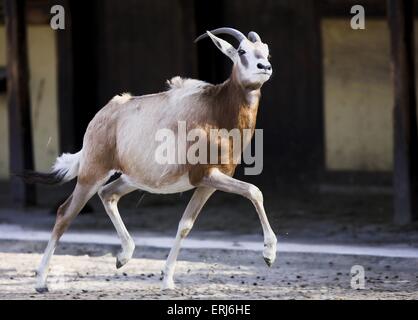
column 117, row 140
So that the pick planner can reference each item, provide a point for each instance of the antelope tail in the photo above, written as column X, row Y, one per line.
column 65, row 169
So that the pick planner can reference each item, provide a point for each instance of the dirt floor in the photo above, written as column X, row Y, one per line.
column 88, row 272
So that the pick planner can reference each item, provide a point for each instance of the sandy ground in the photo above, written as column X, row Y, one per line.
column 88, row 272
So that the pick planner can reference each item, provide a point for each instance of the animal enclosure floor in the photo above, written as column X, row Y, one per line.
column 87, row 271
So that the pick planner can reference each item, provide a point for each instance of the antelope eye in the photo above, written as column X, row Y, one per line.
column 241, row 52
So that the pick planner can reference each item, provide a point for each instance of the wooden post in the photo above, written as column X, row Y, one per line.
column 20, row 129
column 65, row 54
column 3, row 79
column 401, row 22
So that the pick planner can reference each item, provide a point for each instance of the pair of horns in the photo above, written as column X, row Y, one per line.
column 252, row 36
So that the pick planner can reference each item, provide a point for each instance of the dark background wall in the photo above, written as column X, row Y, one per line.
column 291, row 110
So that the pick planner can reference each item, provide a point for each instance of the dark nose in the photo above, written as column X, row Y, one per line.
column 264, row 66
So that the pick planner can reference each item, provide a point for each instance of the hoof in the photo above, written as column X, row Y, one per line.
column 42, row 290
column 124, row 256
column 120, row 264
column 268, row 261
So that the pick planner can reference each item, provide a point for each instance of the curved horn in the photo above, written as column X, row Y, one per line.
column 233, row 32
column 254, row 37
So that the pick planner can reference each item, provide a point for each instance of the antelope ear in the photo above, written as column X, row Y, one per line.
column 254, row 37
column 226, row 48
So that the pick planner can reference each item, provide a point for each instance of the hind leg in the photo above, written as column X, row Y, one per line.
column 66, row 213
column 110, row 195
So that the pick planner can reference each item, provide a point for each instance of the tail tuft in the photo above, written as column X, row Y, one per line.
column 65, row 169
column 67, row 165
column 33, row 177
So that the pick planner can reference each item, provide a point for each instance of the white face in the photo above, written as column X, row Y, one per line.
column 253, row 63
column 251, row 60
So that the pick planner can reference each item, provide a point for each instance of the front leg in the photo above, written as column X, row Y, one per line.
column 193, row 209
column 220, row 181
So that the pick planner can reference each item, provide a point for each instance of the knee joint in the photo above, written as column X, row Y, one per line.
column 255, row 194
column 63, row 208
column 185, row 229
column 61, row 225
column 107, row 196
column 184, row 233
